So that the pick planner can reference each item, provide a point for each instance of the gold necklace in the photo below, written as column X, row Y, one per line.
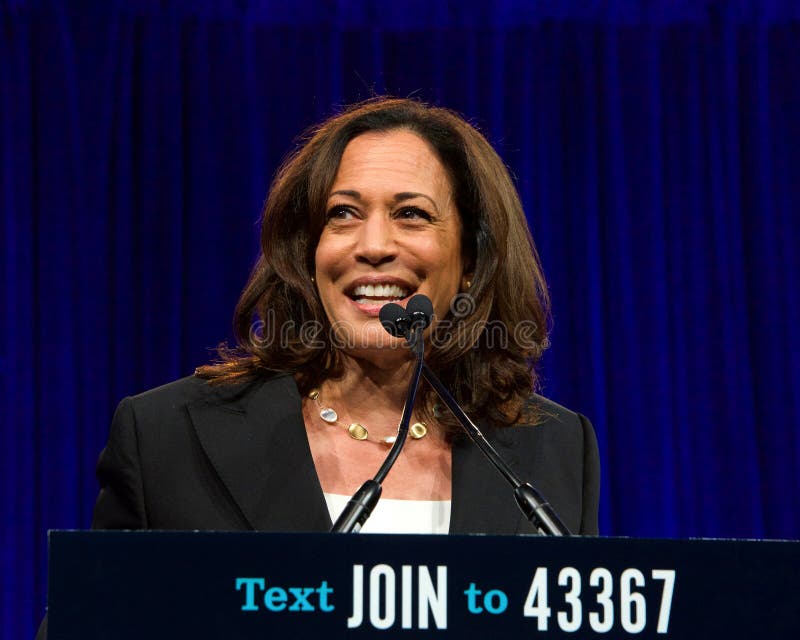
column 358, row 431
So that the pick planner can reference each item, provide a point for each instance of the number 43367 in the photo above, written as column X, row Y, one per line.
column 604, row 596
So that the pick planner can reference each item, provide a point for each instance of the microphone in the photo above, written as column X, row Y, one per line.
column 420, row 311
column 395, row 319
column 539, row 512
column 399, row 323
column 410, row 322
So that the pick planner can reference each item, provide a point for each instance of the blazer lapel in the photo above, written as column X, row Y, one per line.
column 258, row 446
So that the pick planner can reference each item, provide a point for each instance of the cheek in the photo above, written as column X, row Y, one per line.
column 447, row 260
column 328, row 258
column 435, row 250
column 443, row 276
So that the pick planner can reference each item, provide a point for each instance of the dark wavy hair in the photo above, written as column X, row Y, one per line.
column 495, row 332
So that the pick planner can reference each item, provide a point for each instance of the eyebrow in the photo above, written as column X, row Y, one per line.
column 398, row 197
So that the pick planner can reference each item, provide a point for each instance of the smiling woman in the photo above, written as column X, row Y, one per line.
column 386, row 200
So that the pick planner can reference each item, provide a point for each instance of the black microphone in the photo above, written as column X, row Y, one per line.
column 396, row 321
column 409, row 322
column 538, row 511
column 400, row 322
column 420, row 311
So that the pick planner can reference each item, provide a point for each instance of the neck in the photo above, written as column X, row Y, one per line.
column 365, row 386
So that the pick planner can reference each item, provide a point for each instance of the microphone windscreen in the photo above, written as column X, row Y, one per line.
column 420, row 309
column 391, row 316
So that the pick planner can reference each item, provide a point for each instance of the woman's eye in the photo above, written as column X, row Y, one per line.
column 340, row 213
column 410, row 213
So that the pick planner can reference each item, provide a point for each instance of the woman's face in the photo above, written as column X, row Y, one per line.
column 392, row 231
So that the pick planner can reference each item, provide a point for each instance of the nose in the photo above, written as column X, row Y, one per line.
column 376, row 243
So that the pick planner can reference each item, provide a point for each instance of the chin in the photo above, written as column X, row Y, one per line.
column 369, row 341
column 370, row 336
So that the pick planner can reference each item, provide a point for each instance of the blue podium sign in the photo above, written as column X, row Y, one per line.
column 147, row 584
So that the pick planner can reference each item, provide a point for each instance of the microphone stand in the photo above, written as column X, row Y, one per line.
column 361, row 505
column 530, row 501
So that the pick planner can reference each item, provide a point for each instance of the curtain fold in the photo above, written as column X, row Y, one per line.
column 656, row 147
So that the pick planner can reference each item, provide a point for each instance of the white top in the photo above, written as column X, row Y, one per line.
column 398, row 516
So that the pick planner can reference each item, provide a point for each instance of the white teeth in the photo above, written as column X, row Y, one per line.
column 379, row 291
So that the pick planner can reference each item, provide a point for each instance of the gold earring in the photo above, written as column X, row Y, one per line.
column 466, row 283
column 313, row 279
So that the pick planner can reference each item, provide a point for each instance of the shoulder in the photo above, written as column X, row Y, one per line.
column 192, row 390
column 564, row 460
column 543, row 414
column 547, row 411
column 547, row 425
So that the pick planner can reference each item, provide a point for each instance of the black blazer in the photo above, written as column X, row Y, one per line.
column 189, row 455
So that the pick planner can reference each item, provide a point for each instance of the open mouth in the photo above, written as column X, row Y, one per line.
column 378, row 294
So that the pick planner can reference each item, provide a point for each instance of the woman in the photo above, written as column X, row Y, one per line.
column 388, row 199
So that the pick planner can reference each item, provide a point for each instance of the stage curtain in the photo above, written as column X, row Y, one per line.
column 656, row 147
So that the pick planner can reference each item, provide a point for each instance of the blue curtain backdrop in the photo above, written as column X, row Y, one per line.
column 656, row 146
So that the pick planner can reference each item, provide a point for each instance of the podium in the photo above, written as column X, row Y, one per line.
column 147, row 584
